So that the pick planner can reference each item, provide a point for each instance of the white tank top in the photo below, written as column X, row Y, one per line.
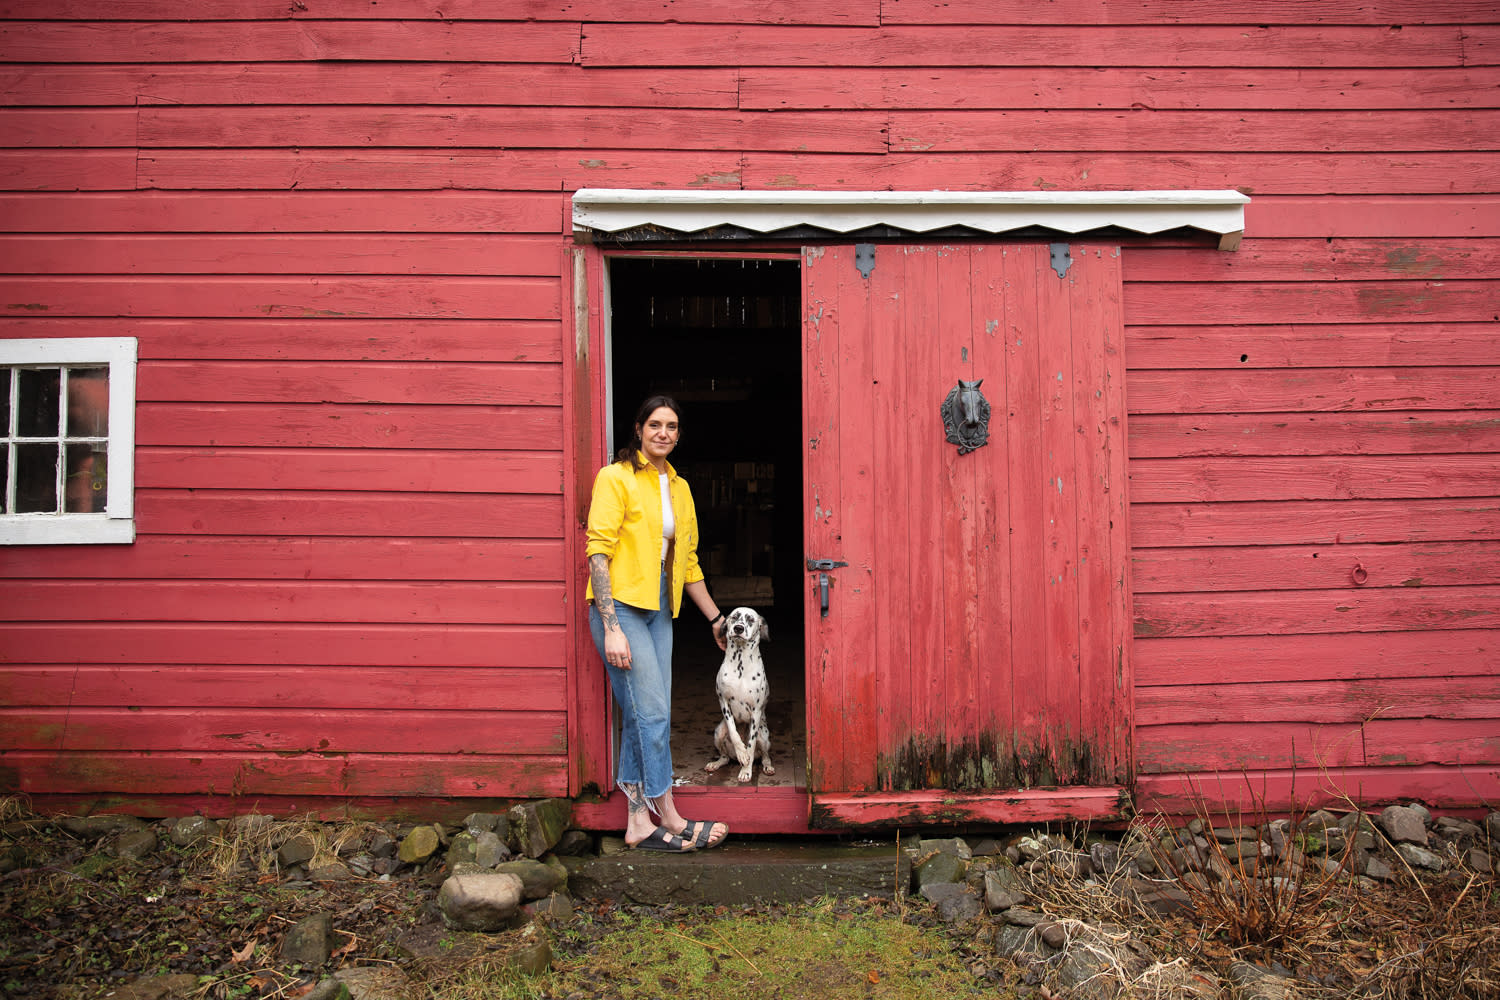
column 668, row 521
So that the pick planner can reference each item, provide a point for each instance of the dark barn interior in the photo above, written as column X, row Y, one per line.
column 723, row 337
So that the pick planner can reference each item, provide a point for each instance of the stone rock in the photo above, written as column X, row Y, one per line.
column 383, row 845
column 371, row 982
column 1054, row 935
column 537, row 879
column 488, row 849
column 1139, row 854
column 1015, row 940
column 556, row 864
column 1251, row 982
column 479, row 901
column 134, row 845
column 986, row 847
column 335, row 872
column 329, row 989
column 1166, row 901
column 1000, row 892
column 537, row 826
column 1071, row 864
column 530, row 958
column 956, row 846
column 310, row 941
column 1022, row 917
column 1186, row 859
column 249, row 825
column 1404, row 825
column 419, row 845
column 1377, row 869
column 1455, row 828
column 953, row 902
column 1421, row 811
column 556, row 907
column 477, row 823
column 1230, row 834
column 1086, row 974
column 1419, row 857
column 461, row 850
column 1317, row 821
column 574, row 844
column 1246, row 851
column 1105, row 856
column 1197, row 881
column 940, row 867
column 94, row 827
column 385, row 866
column 1479, row 860
column 1032, row 848
column 298, row 849
column 1492, row 827
column 189, row 830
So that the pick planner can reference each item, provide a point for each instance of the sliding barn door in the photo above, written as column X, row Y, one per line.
column 967, row 610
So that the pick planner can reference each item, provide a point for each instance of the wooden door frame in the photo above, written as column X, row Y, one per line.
column 586, row 409
column 590, row 726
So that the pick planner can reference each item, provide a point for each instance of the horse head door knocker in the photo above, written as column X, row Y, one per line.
column 966, row 416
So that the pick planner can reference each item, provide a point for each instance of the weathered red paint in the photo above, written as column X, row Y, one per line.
column 976, row 638
column 366, row 417
column 882, row 810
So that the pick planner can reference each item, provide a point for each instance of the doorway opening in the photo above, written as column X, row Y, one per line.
column 723, row 336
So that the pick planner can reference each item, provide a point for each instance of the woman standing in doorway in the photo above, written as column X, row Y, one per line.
column 642, row 556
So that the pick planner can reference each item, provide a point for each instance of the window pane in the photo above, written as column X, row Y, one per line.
column 36, row 478
column 5, row 401
column 40, row 392
column 85, row 492
column 88, row 402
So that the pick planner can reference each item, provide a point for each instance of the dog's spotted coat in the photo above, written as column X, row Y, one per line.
column 743, row 693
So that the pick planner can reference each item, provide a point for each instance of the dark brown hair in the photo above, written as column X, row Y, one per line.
column 650, row 406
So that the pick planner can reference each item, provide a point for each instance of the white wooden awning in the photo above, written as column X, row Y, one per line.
column 609, row 210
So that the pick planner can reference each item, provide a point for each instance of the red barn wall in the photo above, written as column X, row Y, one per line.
column 339, row 232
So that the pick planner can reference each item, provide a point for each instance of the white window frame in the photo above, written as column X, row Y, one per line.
column 116, row 525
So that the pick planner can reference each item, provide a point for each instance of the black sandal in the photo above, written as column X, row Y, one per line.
column 660, row 840
column 702, row 839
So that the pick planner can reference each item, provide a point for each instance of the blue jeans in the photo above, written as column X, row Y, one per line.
column 644, row 693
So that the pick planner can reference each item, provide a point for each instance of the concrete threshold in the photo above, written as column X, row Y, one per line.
column 740, row 873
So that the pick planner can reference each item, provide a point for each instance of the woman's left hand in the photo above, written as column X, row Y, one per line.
column 718, row 628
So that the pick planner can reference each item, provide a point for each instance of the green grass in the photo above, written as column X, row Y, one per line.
column 827, row 951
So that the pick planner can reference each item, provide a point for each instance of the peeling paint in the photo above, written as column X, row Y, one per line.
column 730, row 177
column 1412, row 262
column 988, row 762
column 29, row 306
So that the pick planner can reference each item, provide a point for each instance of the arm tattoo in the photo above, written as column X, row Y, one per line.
column 604, row 600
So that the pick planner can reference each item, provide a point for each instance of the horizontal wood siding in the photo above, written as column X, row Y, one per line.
column 339, row 233
column 349, row 574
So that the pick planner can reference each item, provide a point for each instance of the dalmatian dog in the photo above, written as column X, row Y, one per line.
column 743, row 693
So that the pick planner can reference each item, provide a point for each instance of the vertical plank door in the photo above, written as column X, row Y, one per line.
column 971, row 663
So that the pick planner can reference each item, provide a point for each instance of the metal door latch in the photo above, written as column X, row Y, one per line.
column 821, row 567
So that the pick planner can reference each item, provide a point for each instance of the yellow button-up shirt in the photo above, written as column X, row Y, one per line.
column 625, row 524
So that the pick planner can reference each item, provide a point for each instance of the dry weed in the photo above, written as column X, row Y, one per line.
column 254, row 840
column 1420, row 936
